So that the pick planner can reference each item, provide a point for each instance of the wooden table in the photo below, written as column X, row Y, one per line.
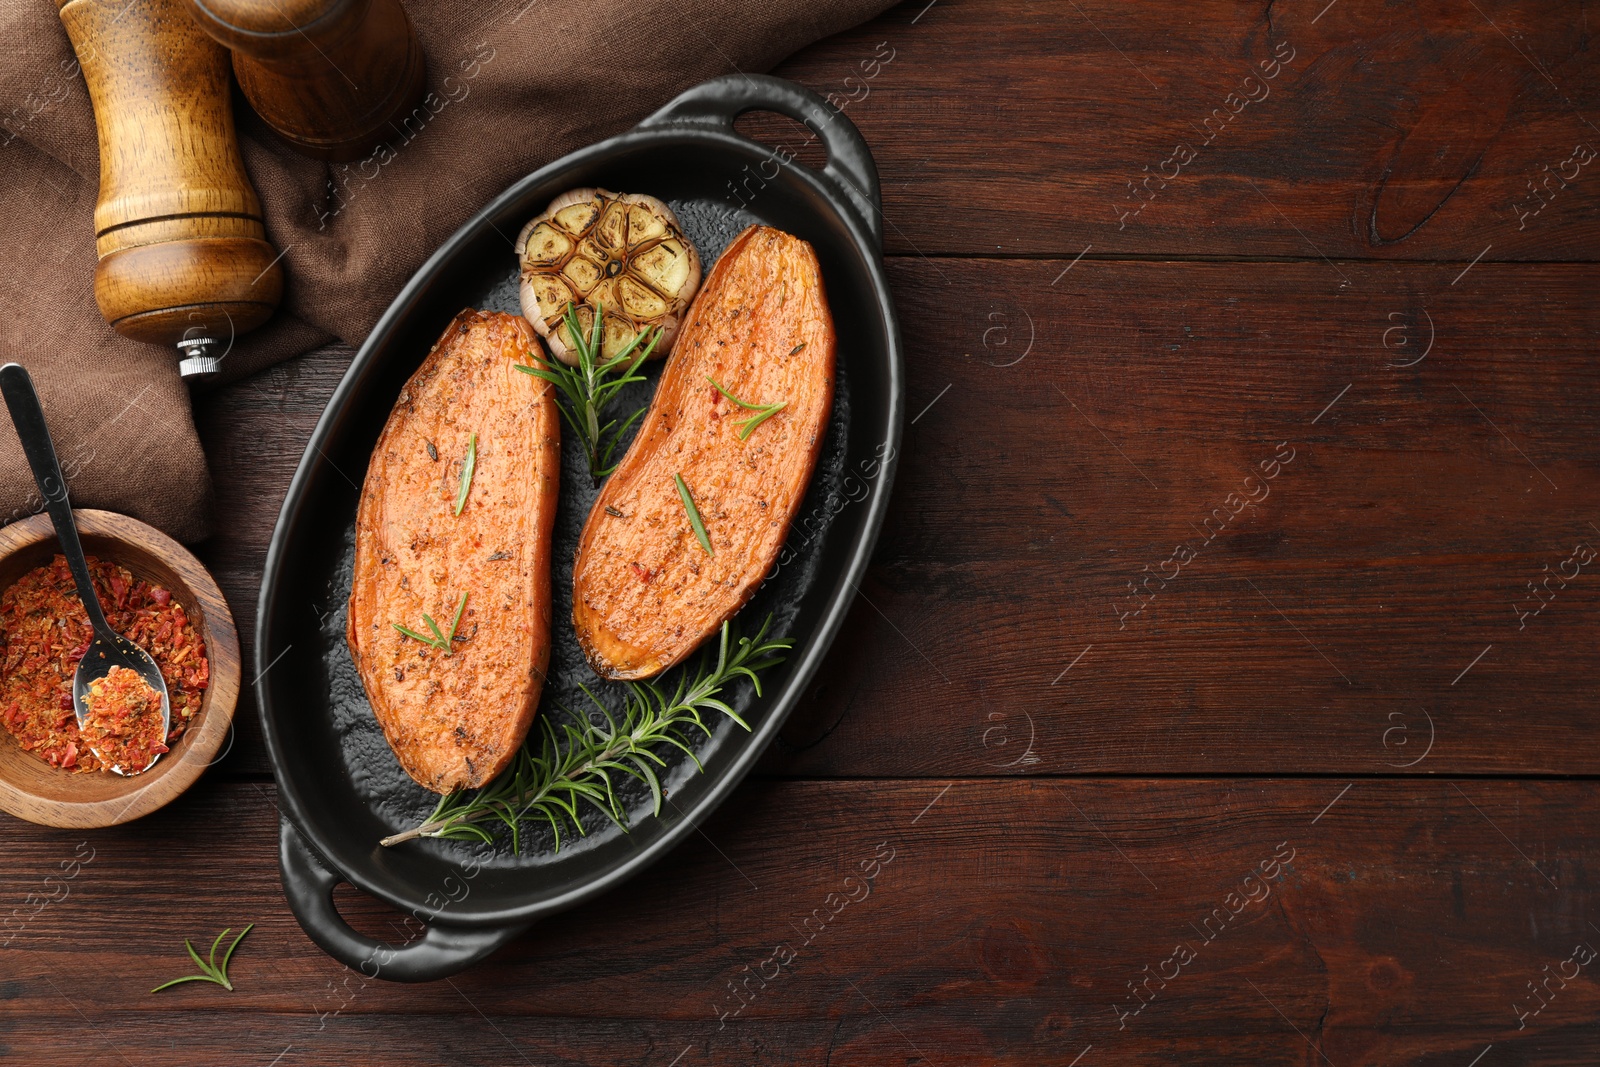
column 1224, row 688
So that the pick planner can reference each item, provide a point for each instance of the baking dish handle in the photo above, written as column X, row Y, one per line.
column 850, row 169
column 442, row 951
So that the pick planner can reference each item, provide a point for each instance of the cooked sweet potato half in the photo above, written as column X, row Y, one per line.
column 690, row 523
column 449, row 619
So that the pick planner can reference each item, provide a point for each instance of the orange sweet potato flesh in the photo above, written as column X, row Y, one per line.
column 455, row 721
column 645, row 592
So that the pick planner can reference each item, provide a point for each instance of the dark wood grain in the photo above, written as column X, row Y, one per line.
column 1338, row 669
column 1004, row 927
column 255, row 432
column 1396, row 131
column 1387, row 557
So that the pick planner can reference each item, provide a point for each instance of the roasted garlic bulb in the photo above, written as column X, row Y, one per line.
column 621, row 252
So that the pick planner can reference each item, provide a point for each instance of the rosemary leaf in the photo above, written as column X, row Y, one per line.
column 694, row 514
column 198, row 962
column 413, row 634
column 748, row 426
column 468, row 465
column 461, row 605
column 763, row 412
column 228, row 956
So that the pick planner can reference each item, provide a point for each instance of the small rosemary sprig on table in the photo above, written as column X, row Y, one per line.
column 578, row 763
column 589, row 388
column 439, row 640
column 213, row 972
column 763, row 412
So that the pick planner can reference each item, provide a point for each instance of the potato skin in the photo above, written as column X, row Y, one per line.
column 645, row 593
column 456, row 721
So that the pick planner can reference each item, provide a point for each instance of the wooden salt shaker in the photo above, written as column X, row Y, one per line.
column 330, row 76
column 183, row 254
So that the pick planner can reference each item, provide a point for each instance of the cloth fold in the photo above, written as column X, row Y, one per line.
column 511, row 86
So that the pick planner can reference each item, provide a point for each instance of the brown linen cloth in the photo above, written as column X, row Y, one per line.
column 528, row 81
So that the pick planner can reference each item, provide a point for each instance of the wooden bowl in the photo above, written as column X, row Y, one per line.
column 30, row 788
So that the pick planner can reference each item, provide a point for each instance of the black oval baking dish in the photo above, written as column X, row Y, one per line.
column 340, row 788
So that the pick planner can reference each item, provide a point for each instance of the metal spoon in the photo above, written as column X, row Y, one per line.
column 109, row 648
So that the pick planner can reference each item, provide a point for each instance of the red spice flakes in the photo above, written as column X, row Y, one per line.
column 643, row 574
column 123, row 724
column 44, row 633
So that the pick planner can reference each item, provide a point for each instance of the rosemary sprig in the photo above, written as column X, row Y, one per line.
column 468, row 465
column 763, row 412
column 588, row 389
column 438, row 640
column 214, row 972
column 577, row 763
column 694, row 514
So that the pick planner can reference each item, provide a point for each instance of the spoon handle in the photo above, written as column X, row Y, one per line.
column 28, row 417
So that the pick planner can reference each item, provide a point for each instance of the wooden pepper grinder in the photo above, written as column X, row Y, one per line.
column 330, row 76
column 184, row 257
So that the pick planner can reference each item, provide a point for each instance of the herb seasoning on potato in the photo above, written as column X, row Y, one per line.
column 726, row 451
column 449, row 619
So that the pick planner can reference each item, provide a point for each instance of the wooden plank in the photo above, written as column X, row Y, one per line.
column 1005, row 923
column 1030, row 580
column 1322, row 630
column 254, row 432
column 1411, row 132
